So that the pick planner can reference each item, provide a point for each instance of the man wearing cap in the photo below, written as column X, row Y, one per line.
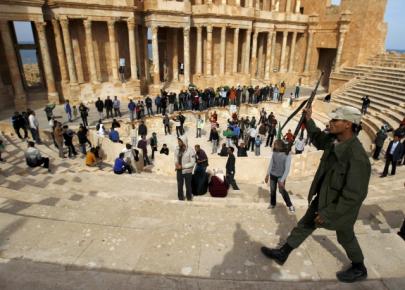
column 339, row 187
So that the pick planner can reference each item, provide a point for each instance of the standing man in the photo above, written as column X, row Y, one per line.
column 337, row 192
column 182, row 119
column 184, row 158
column 393, row 154
column 108, row 104
column 230, row 169
column 100, row 108
column 365, row 105
column 148, row 102
column 117, row 107
column 84, row 112
column 68, row 110
column 58, row 134
column 131, row 110
column 18, row 123
column 34, row 127
column 297, row 90
column 166, row 124
column 379, row 142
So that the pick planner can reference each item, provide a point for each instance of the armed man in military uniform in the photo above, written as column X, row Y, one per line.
column 337, row 192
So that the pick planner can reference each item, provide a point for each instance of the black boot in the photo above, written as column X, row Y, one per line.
column 278, row 255
column 356, row 272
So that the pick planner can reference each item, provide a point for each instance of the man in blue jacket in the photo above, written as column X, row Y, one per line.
column 120, row 166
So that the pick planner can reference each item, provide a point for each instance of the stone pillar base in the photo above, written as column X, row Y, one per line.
column 54, row 98
column 75, row 93
column 20, row 103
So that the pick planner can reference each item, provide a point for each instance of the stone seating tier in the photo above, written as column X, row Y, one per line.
column 86, row 226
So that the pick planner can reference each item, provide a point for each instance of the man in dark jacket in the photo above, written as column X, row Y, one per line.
column 337, row 192
column 182, row 119
column 108, row 104
column 230, row 169
column 148, row 103
column 100, row 107
column 18, row 123
column 393, row 155
column 142, row 129
column 379, row 142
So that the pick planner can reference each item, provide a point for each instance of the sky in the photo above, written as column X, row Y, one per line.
column 393, row 16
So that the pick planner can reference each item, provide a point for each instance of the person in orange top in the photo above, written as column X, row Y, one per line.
column 289, row 137
column 91, row 159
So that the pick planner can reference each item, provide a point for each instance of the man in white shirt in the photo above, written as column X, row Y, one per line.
column 252, row 136
column 34, row 127
column 299, row 145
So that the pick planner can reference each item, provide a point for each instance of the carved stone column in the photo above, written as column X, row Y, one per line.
column 283, row 49
column 247, row 52
column 155, row 52
column 175, row 62
column 69, row 51
column 222, row 52
column 269, row 49
column 254, row 54
column 288, row 6
column 199, row 50
column 235, row 50
column 345, row 19
column 20, row 98
column 186, row 55
column 237, row 3
column 132, row 48
column 113, row 49
column 273, row 5
column 292, row 54
column 309, row 50
column 257, row 5
column 224, row 2
column 208, row 60
column 277, row 6
column 273, row 50
column 90, row 51
column 298, row 6
column 53, row 95
column 342, row 35
column 145, row 52
column 60, row 51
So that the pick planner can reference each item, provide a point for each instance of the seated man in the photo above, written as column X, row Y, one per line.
column 91, row 159
column 114, row 136
column 164, row 150
column 131, row 156
column 120, row 166
column 242, row 151
column 224, row 150
column 33, row 157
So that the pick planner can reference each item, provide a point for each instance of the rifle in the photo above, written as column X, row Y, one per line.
column 307, row 103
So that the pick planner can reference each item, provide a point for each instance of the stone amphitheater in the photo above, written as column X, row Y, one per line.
column 84, row 228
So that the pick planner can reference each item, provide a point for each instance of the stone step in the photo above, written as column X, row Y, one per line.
column 373, row 107
column 383, row 85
